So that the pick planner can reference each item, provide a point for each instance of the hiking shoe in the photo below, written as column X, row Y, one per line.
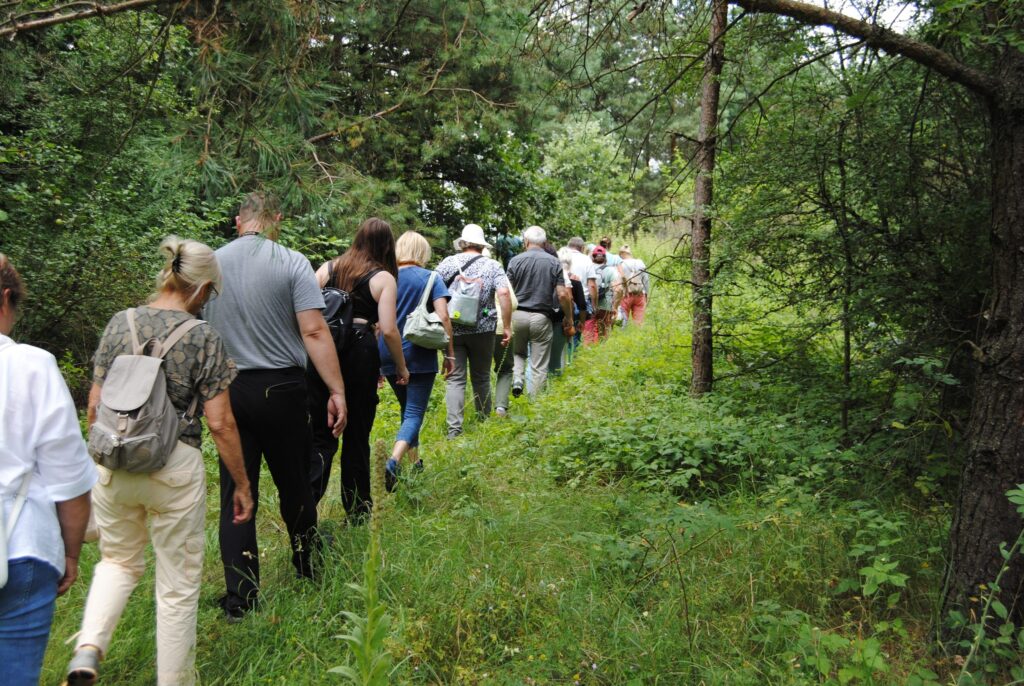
column 84, row 668
column 417, row 466
column 501, row 411
column 517, row 389
column 391, row 471
column 232, row 613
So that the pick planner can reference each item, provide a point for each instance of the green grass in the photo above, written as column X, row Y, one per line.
column 501, row 565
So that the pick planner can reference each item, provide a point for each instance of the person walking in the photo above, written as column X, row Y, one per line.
column 172, row 500
column 636, row 285
column 413, row 253
column 539, row 283
column 367, row 271
column 43, row 466
column 503, row 357
column 269, row 315
column 474, row 343
column 613, row 260
column 583, row 269
column 608, row 279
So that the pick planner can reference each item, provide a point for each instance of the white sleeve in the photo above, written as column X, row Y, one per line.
column 63, row 467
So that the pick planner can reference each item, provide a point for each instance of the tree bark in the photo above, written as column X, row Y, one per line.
column 995, row 436
column 703, row 196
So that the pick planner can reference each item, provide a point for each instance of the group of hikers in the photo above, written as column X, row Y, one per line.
column 279, row 378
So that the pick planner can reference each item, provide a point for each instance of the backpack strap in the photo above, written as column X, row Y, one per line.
column 449, row 281
column 163, row 347
column 366, row 277
column 137, row 346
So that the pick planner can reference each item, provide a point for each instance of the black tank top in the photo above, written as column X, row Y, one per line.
column 363, row 304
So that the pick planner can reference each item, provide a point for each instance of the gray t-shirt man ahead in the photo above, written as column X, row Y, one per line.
column 534, row 275
column 265, row 285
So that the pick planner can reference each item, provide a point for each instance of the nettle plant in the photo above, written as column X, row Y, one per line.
column 994, row 645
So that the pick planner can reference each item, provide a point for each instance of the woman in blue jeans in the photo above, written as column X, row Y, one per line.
column 413, row 252
column 42, row 458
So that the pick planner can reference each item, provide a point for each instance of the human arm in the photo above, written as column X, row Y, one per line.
column 441, row 310
column 592, row 290
column 505, row 299
column 385, row 290
column 323, row 274
column 63, row 469
column 73, row 517
column 565, row 300
column 319, row 344
column 221, row 421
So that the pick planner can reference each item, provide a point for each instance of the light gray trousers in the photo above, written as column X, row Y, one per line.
column 474, row 350
column 531, row 329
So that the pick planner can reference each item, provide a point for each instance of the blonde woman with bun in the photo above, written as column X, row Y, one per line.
column 167, row 507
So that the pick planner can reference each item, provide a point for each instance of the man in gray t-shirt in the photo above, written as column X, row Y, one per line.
column 269, row 315
column 535, row 276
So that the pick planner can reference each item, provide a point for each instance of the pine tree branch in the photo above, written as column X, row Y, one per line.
column 16, row 24
column 880, row 37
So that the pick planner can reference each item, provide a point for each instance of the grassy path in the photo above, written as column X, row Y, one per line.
column 503, row 565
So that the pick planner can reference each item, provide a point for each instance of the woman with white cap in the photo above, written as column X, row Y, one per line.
column 474, row 282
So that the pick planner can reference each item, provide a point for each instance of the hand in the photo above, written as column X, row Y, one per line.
column 243, row 504
column 403, row 376
column 380, row 382
column 337, row 413
column 70, row 574
column 449, row 365
column 506, row 337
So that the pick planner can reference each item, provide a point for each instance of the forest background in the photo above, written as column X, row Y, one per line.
column 851, row 263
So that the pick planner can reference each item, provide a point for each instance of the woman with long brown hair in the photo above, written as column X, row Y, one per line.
column 367, row 272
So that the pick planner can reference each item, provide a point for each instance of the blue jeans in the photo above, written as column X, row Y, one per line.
column 413, row 400
column 26, row 612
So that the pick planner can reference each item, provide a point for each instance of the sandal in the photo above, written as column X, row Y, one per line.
column 84, row 668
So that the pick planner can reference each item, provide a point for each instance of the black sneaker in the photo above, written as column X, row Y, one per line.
column 417, row 466
column 232, row 613
column 517, row 389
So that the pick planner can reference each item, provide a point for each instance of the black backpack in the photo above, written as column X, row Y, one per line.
column 338, row 308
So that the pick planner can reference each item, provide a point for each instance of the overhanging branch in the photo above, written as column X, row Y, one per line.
column 60, row 14
column 880, row 37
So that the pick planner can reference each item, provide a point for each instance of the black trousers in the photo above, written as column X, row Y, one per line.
column 270, row 410
column 360, row 369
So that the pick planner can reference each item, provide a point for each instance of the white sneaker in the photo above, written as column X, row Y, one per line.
column 501, row 411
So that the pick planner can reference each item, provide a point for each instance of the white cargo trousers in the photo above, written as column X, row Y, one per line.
column 173, row 500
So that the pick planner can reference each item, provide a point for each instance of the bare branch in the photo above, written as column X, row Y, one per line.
column 880, row 37
column 20, row 23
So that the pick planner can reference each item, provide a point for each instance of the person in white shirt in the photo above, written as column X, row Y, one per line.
column 636, row 284
column 40, row 440
column 582, row 268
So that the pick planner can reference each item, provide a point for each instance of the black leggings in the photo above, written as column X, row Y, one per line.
column 360, row 369
column 270, row 409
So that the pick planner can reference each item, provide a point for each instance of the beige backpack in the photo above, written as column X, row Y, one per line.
column 136, row 426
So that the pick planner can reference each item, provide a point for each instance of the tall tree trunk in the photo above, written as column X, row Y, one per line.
column 995, row 460
column 703, row 196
